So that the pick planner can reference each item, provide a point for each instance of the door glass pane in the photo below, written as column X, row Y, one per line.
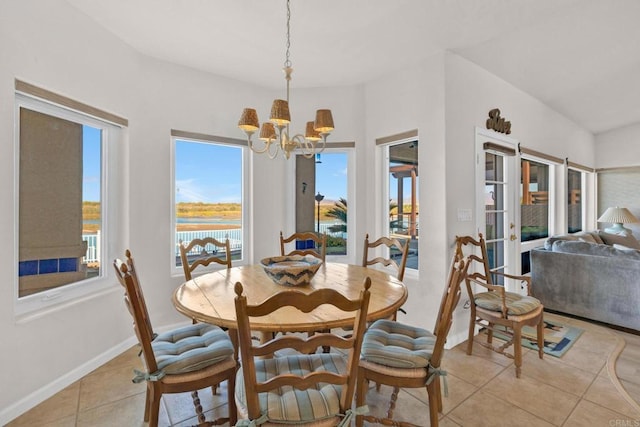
column 403, row 209
column 496, row 212
column 534, row 196
column 331, row 200
column 575, row 201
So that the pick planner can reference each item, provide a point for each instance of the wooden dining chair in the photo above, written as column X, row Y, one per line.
column 495, row 309
column 202, row 252
column 299, row 387
column 306, row 243
column 398, row 253
column 396, row 250
column 181, row 360
column 405, row 356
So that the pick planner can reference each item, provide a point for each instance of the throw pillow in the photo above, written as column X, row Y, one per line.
column 586, row 237
column 628, row 241
column 623, row 248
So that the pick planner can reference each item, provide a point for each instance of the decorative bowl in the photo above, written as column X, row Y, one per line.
column 291, row 270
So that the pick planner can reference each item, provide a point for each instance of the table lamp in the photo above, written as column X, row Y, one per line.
column 617, row 216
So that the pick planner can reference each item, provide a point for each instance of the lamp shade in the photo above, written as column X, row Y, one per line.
column 324, row 121
column 617, row 215
column 310, row 133
column 267, row 131
column 280, row 112
column 249, row 120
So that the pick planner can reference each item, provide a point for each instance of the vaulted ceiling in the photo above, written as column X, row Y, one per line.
column 580, row 57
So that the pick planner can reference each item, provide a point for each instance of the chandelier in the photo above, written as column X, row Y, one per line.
column 309, row 144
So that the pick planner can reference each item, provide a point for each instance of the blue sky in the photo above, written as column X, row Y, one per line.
column 91, row 164
column 212, row 173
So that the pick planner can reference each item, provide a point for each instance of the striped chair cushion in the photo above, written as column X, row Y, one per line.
column 191, row 348
column 288, row 405
column 397, row 345
column 516, row 304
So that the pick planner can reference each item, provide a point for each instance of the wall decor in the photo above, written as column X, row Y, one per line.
column 497, row 123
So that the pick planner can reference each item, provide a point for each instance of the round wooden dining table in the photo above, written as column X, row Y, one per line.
column 210, row 298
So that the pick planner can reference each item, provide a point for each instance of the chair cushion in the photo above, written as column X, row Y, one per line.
column 516, row 304
column 397, row 345
column 191, row 348
column 288, row 405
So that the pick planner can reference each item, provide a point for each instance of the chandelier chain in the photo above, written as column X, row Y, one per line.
column 287, row 62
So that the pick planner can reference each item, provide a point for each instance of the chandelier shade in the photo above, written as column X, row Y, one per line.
column 274, row 134
column 249, row 120
column 280, row 112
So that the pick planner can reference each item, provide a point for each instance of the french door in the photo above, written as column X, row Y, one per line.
column 497, row 193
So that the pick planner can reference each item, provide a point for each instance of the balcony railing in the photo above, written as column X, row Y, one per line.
column 234, row 235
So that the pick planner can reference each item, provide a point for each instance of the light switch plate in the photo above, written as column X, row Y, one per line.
column 465, row 215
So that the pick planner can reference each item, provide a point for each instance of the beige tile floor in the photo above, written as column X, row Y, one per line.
column 596, row 383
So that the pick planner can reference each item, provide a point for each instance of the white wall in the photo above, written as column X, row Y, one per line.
column 412, row 98
column 618, row 148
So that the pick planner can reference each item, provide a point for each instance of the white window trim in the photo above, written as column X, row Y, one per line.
column 113, row 212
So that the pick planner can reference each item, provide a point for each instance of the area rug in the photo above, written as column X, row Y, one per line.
column 558, row 338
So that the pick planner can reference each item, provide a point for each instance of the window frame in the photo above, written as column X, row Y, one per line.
column 177, row 135
column 113, row 135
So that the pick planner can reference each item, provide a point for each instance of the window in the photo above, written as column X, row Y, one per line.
column 64, row 211
column 208, row 191
column 331, row 198
column 402, row 210
column 574, row 202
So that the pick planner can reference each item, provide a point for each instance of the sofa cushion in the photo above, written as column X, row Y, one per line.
column 623, row 248
column 584, row 248
column 548, row 244
column 588, row 237
column 628, row 241
column 583, row 236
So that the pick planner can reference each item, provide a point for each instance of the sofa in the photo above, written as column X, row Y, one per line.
column 592, row 275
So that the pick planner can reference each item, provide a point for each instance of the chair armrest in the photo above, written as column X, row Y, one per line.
column 524, row 280
column 493, row 288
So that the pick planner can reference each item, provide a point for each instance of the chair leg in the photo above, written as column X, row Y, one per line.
column 154, row 406
column 517, row 348
column 433, row 393
column 436, row 380
column 490, row 333
column 147, row 402
column 541, row 337
column 472, row 329
column 361, row 395
column 231, row 400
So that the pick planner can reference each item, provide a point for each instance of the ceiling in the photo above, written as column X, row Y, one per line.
column 580, row 57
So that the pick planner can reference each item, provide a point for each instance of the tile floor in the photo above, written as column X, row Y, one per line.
column 579, row 389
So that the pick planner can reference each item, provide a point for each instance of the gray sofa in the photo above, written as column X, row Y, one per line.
column 594, row 275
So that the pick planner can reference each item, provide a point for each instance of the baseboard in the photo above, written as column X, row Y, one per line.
column 46, row 391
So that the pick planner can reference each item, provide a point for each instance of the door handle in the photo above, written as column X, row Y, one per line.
column 513, row 237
